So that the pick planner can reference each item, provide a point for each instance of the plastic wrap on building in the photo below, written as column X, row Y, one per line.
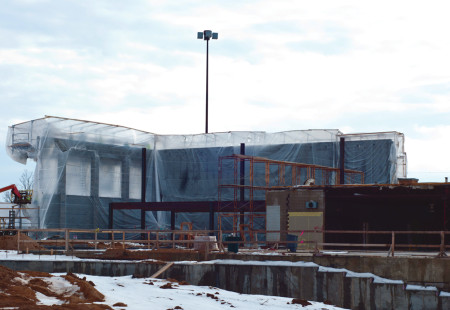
column 82, row 166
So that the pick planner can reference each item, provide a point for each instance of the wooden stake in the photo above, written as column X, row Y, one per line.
column 160, row 271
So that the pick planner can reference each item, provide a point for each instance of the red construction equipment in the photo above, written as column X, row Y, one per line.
column 13, row 189
column 20, row 197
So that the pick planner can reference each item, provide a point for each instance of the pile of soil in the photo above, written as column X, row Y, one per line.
column 18, row 290
column 116, row 245
column 159, row 254
column 10, row 243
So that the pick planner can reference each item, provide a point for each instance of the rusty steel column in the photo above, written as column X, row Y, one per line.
column 242, row 181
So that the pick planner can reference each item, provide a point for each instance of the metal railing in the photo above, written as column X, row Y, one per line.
column 70, row 240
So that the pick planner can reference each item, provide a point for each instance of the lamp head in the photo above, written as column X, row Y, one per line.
column 207, row 35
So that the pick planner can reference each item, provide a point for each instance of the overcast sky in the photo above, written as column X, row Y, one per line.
column 357, row 66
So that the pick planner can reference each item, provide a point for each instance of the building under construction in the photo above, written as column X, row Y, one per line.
column 83, row 167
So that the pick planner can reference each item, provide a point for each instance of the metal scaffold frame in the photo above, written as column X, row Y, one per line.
column 287, row 175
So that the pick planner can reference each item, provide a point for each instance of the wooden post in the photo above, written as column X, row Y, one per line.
column 160, row 271
column 123, row 240
column 157, row 240
column 95, row 240
column 18, row 242
column 173, row 239
column 66, row 239
column 442, row 248
column 393, row 244
column 148, row 240
column 206, row 249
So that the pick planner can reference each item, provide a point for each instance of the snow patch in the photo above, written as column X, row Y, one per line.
column 47, row 300
column 255, row 263
column 444, row 294
column 21, row 281
column 411, row 287
column 61, row 286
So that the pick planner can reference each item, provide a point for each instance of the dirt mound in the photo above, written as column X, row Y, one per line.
column 122, row 254
column 20, row 289
column 302, row 302
column 90, row 294
column 157, row 254
column 10, row 243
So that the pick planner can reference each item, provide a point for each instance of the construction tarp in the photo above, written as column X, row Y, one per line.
column 83, row 166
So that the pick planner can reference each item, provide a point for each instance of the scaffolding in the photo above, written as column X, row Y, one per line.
column 240, row 176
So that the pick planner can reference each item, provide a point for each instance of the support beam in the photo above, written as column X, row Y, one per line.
column 189, row 206
column 184, row 206
column 211, row 217
column 342, row 160
column 143, row 183
column 242, row 181
column 172, row 220
column 111, row 216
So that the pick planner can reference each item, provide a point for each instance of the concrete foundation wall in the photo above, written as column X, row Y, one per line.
column 288, row 281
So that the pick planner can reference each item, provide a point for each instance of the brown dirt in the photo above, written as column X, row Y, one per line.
column 120, row 304
column 18, row 289
column 177, row 281
column 116, row 245
column 167, row 286
column 10, row 243
column 88, row 291
column 159, row 254
column 302, row 302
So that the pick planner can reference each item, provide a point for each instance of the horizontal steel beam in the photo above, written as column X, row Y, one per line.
column 191, row 206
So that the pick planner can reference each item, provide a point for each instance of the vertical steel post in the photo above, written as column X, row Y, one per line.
column 445, row 209
column 242, row 182
column 110, row 217
column 341, row 160
column 207, row 62
column 211, row 218
column 143, row 186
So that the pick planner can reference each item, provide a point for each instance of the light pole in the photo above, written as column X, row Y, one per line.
column 207, row 35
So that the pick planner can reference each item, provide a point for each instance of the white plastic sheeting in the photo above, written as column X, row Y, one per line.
column 82, row 166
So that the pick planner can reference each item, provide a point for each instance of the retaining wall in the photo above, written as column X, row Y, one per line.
column 306, row 282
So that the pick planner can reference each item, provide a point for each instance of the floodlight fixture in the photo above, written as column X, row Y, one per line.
column 207, row 35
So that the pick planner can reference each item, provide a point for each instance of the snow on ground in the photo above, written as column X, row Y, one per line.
column 47, row 300
column 147, row 293
column 12, row 255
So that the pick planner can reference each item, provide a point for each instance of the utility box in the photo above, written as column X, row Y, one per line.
column 300, row 211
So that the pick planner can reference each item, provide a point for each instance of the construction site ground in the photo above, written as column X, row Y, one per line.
column 19, row 289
